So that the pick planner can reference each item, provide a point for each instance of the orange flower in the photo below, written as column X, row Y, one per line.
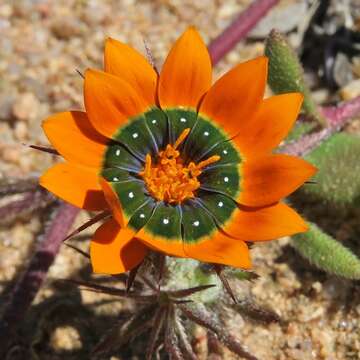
column 185, row 167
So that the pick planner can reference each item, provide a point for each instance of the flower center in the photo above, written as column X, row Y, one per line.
column 169, row 179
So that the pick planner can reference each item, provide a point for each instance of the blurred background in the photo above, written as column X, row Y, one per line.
column 42, row 45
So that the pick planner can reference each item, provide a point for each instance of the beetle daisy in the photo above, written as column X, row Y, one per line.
column 186, row 167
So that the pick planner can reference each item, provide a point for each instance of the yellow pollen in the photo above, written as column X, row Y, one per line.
column 169, row 179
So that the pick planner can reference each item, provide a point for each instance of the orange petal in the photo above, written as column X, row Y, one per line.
column 270, row 125
column 186, row 73
column 73, row 127
column 110, row 101
column 268, row 223
column 114, row 250
column 77, row 185
column 123, row 61
column 236, row 96
column 169, row 247
column 220, row 249
column 113, row 201
column 266, row 180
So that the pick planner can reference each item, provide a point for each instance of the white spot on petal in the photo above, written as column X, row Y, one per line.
column 135, row 135
column 153, row 121
column 220, row 204
column 131, row 195
column 183, row 120
column 115, row 178
column 226, row 179
column 142, row 216
column 165, row 221
column 206, row 133
column 225, row 152
column 196, row 223
column 117, row 152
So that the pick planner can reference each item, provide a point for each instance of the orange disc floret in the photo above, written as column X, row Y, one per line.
column 170, row 180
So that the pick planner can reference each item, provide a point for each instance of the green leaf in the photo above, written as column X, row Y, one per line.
column 286, row 73
column 326, row 253
column 338, row 180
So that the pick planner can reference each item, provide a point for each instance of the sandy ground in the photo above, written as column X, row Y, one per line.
column 42, row 43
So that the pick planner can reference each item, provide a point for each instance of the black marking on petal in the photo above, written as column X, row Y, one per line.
column 179, row 120
column 204, row 135
column 118, row 156
column 223, row 179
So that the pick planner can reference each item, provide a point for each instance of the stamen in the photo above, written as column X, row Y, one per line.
column 181, row 138
column 208, row 161
column 169, row 179
column 147, row 170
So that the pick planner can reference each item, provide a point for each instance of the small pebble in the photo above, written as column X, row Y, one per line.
column 26, row 107
column 350, row 90
column 65, row 338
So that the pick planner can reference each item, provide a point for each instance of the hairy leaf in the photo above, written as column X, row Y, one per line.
column 338, row 180
column 326, row 253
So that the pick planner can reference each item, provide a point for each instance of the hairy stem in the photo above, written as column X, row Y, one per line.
column 34, row 276
column 338, row 115
column 18, row 186
column 25, row 206
column 306, row 143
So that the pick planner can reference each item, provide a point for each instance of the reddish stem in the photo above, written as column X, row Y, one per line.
column 338, row 115
column 25, row 206
column 239, row 28
column 34, row 276
column 306, row 143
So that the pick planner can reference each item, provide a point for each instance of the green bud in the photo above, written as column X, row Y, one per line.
column 338, row 180
column 286, row 73
column 326, row 253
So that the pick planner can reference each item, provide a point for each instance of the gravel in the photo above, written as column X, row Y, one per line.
column 42, row 44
